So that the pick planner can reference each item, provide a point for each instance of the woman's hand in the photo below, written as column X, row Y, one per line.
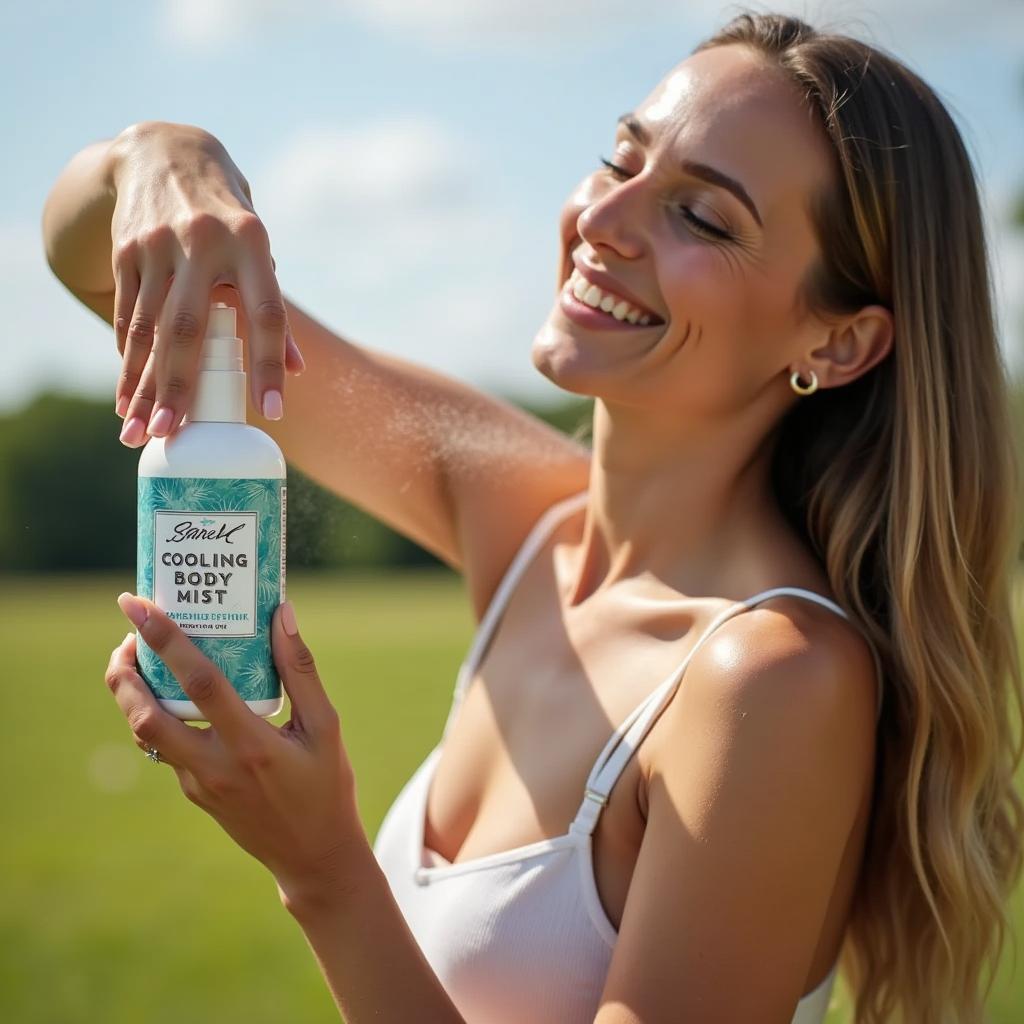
column 287, row 795
column 183, row 224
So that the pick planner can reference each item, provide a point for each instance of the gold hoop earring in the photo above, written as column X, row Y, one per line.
column 803, row 389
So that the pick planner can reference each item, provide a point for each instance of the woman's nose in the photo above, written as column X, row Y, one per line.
column 614, row 218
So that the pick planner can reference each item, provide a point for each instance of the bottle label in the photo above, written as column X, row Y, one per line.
column 211, row 554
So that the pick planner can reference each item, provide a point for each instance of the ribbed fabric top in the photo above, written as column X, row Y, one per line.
column 521, row 935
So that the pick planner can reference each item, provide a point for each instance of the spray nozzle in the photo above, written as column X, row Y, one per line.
column 222, row 350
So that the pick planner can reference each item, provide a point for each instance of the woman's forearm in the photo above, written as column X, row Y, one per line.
column 76, row 219
column 369, row 957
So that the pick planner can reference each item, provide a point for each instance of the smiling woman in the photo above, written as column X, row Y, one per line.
column 740, row 715
column 773, row 206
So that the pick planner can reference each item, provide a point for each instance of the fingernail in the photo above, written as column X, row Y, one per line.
column 133, row 608
column 127, row 637
column 133, row 431
column 272, row 407
column 160, row 421
column 122, row 406
column 288, row 618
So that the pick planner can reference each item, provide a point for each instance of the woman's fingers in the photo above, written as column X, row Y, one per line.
column 126, row 292
column 173, row 214
column 178, row 744
column 133, row 435
column 162, row 345
column 170, row 323
column 178, row 350
column 268, row 323
column 146, row 390
column 204, row 684
column 297, row 669
column 138, row 345
column 133, row 363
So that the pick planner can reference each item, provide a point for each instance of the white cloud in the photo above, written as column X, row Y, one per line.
column 202, row 24
column 391, row 234
column 378, row 202
column 502, row 24
column 500, row 21
column 483, row 20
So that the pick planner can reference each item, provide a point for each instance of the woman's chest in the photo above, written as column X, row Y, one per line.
column 537, row 714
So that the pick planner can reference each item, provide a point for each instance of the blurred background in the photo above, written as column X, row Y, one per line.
column 409, row 160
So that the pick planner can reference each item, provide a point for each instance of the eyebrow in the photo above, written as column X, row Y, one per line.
column 698, row 170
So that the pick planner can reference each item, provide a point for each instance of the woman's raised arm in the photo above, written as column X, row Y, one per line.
column 462, row 473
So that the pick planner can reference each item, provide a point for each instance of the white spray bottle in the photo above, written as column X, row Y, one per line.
column 212, row 502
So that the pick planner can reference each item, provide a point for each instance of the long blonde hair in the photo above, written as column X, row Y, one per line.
column 906, row 485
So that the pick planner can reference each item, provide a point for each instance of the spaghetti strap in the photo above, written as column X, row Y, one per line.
column 827, row 603
column 627, row 737
column 799, row 591
column 534, row 540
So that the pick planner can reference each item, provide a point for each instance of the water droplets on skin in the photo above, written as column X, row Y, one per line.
column 465, row 434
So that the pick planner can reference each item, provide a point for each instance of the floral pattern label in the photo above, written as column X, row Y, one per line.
column 211, row 554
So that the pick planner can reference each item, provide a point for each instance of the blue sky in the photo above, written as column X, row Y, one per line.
column 410, row 159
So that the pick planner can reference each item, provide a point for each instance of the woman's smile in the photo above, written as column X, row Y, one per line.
column 595, row 317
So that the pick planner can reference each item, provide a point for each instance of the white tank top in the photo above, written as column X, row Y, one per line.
column 521, row 935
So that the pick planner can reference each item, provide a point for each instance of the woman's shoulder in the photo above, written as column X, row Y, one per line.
column 810, row 628
column 788, row 660
column 788, row 628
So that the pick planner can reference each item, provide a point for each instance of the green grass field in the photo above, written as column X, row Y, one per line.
column 121, row 902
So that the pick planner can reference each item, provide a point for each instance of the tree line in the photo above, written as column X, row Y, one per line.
column 68, row 487
column 68, row 495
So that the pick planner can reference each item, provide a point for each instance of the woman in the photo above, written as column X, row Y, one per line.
column 800, row 492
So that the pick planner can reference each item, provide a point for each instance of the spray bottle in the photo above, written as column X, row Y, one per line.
column 212, row 502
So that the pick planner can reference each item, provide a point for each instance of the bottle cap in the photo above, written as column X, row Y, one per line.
column 222, row 349
column 220, row 386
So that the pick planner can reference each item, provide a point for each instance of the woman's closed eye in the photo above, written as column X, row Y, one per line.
column 688, row 215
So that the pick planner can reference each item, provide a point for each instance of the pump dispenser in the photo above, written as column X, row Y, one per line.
column 220, row 390
column 212, row 500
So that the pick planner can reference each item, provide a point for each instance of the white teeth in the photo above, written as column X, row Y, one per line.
column 605, row 301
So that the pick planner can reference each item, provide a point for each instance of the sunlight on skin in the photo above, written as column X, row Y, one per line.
column 676, row 87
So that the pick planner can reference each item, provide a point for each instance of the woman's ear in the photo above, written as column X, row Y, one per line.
column 856, row 343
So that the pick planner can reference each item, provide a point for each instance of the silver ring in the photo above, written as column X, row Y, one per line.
column 154, row 755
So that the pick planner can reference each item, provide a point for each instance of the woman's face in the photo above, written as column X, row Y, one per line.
column 724, row 323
